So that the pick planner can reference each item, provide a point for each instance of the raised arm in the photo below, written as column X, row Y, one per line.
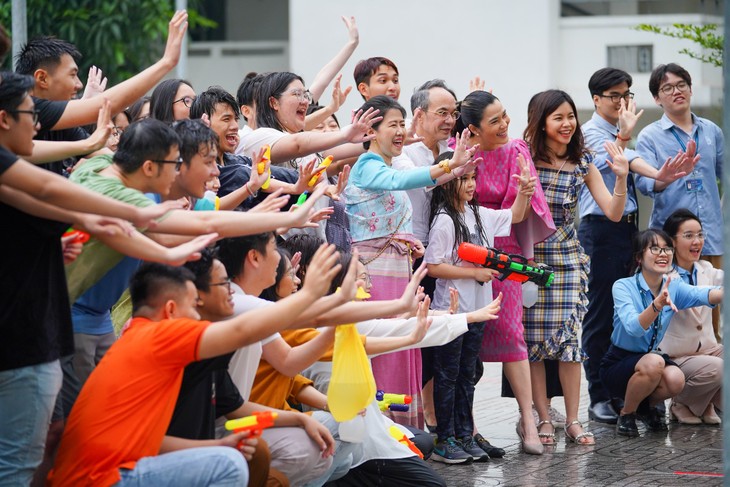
column 292, row 360
column 612, row 205
column 330, row 70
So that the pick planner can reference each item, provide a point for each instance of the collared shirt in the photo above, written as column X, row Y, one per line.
column 685, row 275
column 697, row 191
column 419, row 155
column 596, row 132
column 631, row 296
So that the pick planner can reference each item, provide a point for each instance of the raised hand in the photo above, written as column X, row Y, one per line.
column 413, row 293
column 104, row 127
column 334, row 191
column 627, row 117
column 476, row 84
column 362, row 123
column 325, row 262
column 348, row 288
column 423, row 322
column 453, row 300
column 352, row 31
column 177, row 27
column 95, row 84
column 411, row 136
column 663, row 298
column 257, row 180
column 338, row 96
column 527, row 182
column 618, row 163
column 462, row 153
column 306, row 172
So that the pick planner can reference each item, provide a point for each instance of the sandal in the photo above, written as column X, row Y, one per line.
column 546, row 438
column 577, row 438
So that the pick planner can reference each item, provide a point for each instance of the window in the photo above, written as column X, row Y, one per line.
column 632, row 59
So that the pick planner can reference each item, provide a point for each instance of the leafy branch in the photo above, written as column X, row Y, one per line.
column 705, row 35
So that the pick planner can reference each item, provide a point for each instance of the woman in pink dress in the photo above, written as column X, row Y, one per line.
column 483, row 114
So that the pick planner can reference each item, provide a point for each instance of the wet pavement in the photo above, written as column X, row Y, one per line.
column 686, row 455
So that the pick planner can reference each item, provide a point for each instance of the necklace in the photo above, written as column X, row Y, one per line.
column 557, row 175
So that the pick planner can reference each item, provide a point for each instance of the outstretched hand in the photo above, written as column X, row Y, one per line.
column 527, row 182
column 352, row 31
column 627, row 117
column 663, row 298
column 95, row 84
column 423, row 322
column 362, row 123
column 325, row 260
column 618, row 163
column 177, row 27
column 462, row 153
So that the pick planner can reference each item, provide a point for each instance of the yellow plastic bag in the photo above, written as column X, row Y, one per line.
column 352, row 385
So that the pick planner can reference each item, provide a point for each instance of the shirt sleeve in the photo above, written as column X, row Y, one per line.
column 720, row 144
column 7, row 159
column 441, row 241
column 376, row 175
column 227, row 396
column 176, row 343
column 624, row 291
column 686, row 296
column 497, row 223
column 254, row 141
column 647, row 151
column 49, row 112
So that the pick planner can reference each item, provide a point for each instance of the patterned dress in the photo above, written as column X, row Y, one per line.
column 553, row 323
column 504, row 339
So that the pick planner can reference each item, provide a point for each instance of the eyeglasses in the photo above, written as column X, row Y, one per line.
column 446, row 114
column 617, row 98
column 682, row 86
column 226, row 283
column 661, row 250
column 302, row 95
column 187, row 101
column 117, row 131
column 178, row 162
column 36, row 114
column 691, row 236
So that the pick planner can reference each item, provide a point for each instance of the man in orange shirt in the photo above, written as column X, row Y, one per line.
column 115, row 430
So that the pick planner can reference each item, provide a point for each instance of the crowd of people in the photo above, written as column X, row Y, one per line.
column 171, row 267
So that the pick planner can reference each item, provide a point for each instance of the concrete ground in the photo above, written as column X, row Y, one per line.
column 686, row 455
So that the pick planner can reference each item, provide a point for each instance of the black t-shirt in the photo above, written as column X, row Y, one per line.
column 35, row 315
column 206, row 393
column 50, row 113
column 7, row 159
column 237, row 171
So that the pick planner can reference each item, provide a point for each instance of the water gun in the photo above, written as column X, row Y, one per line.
column 511, row 266
column 400, row 437
column 79, row 236
column 323, row 166
column 393, row 402
column 262, row 165
column 254, row 424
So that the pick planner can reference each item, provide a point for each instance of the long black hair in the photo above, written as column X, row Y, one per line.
column 444, row 200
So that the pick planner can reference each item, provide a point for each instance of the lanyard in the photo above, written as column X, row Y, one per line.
column 681, row 144
column 646, row 299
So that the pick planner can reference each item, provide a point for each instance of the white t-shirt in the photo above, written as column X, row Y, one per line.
column 245, row 130
column 442, row 249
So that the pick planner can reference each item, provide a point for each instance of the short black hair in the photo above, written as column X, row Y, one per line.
column 193, row 134
column 14, row 87
column 660, row 73
column 144, row 140
column 163, row 98
column 421, row 97
column 384, row 104
column 232, row 252
column 273, row 85
column 246, row 94
column 44, row 52
column 153, row 281
column 201, row 269
column 305, row 243
column 605, row 78
column 206, row 101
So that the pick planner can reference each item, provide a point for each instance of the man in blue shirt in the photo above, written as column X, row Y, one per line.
column 680, row 130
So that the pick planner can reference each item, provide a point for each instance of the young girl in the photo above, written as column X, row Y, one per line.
column 380, row 225
column 456, row 217
column 644, row 304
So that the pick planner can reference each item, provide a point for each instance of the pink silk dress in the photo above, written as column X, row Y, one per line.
column 504, row 339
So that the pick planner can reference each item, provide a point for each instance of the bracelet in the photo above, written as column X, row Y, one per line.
column 445, row 166
column 252, row 193
column 620, row 194
column 326, row 407
column 656, row 310
column 618, row 136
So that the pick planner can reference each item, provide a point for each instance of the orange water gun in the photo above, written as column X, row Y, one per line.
column 254, row 424
column 79, row 236
column 400, row 437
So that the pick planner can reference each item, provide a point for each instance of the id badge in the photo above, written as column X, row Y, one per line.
column 693, row 185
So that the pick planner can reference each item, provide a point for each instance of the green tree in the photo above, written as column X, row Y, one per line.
column 122, row 37
column 707, row 36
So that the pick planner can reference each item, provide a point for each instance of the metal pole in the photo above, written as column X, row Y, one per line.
column 726, row 239
column 19, row 28
column 182, row 65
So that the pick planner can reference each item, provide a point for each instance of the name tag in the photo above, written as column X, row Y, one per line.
column 693, row 185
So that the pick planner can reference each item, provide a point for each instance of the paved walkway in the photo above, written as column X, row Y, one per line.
column 687, row 455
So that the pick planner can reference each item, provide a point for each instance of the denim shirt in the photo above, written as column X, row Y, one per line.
column 697, row 191
column 631, row 296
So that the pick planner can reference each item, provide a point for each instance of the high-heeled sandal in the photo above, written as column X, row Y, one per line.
column 549, row 437
column 531, row 448
column 577, row 438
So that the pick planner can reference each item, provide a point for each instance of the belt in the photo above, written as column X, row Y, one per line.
column 630, row 218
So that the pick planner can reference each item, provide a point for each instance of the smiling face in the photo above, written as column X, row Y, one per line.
column 676, row 102
column 291, row 107
column 438, row 120
column 688, row 244
column 385, row 81
column 289, row 283
column 217, row 302
column 467, row 185
column 223, row 122
column 390, row 135
column 363, row 277
column 606, row 107
column 62, row 82
column 181, row 111
column 493, row 130
column 560, row 127
column 659, row 263
column 194, row 177
column 164, row 174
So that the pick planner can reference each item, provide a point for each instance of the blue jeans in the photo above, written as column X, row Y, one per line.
column 454, row 378
column 27, row 396
column 205, row 466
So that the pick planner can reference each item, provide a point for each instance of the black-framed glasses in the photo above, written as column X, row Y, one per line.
column 187, row 101
column 661, row 250
column 668, row 89
column 691, row 236
column 178, row 162
column 446, row 114
column 226, row 283
column 36, row 114
column 617, row 98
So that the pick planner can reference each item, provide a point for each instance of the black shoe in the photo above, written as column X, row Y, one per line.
column 654, row 420
column 489, row 449
column 626, row 425
column 470, row 446
column 602, row 412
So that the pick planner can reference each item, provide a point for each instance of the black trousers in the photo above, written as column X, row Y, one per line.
column 403, row 472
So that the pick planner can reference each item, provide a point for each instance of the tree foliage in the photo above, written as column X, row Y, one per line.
column 707, row 36
column 122, row 37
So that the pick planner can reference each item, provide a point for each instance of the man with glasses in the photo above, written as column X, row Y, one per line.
column 679, row 130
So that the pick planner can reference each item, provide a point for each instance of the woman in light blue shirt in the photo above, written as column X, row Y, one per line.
column 643, row 307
